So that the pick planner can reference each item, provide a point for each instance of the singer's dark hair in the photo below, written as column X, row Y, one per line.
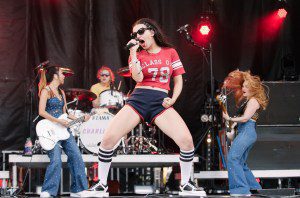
column 159, row 36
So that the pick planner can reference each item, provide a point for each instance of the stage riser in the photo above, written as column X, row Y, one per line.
column 277, row 192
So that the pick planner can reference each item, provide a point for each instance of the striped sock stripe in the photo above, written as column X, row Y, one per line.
column 186, row 160
column 105, row 155
column 104, row 160
column 186, row 156
column 105, row 151
column 187, row 152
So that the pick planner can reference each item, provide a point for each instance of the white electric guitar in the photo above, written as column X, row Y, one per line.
column 50, row 133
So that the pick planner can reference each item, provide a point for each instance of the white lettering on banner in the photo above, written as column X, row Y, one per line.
column 93, row 131
column 100, row 117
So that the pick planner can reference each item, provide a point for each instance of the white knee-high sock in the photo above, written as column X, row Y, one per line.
column 105, row 157
column 186, row 161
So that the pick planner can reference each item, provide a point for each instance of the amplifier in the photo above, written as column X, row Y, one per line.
column 276, row 148
column 284, row 104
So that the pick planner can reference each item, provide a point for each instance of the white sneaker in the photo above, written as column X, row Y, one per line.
column 84, row 193
column 45, row 194
column 189, row 189
column 99, row 190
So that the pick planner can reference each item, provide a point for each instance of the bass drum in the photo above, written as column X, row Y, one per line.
column 92, row 131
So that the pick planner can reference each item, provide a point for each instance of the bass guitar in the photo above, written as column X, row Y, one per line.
column 230, row 125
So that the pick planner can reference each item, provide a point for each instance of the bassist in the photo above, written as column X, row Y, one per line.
column 249, row 88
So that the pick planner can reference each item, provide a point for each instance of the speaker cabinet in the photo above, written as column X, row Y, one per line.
column 278, row 129
column 284, row 104
column 276, row 148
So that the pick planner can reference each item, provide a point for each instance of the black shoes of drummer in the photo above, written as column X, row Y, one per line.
column 99, row 190
column 189, row 189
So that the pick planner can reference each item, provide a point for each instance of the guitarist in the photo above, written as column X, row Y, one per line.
column 52, row 104
column 241, row 179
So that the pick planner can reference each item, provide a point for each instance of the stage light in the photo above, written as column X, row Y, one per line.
column 204, row 26
column 281, row 13
column 208, row 140
column 282, row 8
column 204, row 118
column 204, row 29
column 210, row 118
column 271, row 24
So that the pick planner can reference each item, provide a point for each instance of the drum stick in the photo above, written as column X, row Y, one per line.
column 128, row 93
column 120, row 83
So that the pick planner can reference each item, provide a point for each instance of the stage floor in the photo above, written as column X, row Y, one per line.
column 176, row 196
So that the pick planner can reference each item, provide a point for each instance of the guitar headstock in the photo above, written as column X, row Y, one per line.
column 221, row 98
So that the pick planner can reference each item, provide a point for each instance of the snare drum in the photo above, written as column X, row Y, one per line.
column 111, row 99
column 92, row 131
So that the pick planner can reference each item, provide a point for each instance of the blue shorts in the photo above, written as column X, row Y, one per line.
column 147, row 103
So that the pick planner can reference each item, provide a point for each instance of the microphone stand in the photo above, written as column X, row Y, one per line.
column 209, row 62
column 30, row 100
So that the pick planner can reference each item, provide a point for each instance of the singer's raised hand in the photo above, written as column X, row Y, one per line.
column 133, row 45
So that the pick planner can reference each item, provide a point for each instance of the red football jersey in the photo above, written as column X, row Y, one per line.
column 158, row 68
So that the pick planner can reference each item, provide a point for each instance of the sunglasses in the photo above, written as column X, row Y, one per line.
column 104, row 75
column 140, row 32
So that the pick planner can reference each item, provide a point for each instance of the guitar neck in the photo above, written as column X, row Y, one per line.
column 80, row 119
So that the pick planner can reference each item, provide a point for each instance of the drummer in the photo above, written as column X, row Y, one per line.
column 106, row 79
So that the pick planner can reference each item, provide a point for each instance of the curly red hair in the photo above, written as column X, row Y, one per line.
column 104, row 67
column 235, row 80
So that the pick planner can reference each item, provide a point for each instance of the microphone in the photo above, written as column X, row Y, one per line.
column 41, row 65
column 183, row 28
column 130, row 45
column 187, row 35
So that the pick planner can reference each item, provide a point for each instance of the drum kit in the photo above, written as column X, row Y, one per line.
column 89, row 134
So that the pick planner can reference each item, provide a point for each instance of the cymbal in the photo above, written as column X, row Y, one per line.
column 67, row 71
column 80, row 94
column 124, row 71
